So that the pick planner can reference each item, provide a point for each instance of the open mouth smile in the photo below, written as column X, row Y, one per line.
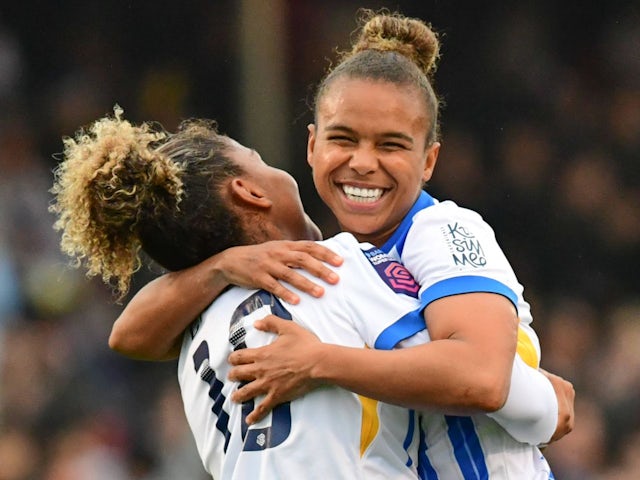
column 362, row 195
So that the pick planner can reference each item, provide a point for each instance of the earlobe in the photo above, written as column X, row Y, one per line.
column 248, row 193
column 311, row 143
column 430, row 163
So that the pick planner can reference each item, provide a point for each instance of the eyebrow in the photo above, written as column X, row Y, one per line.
column 345, row 129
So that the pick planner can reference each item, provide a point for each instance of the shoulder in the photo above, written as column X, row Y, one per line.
column 342, row 243
column 447, row 209
column 448, row 219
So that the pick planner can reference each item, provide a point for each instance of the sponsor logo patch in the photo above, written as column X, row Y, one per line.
column 465, row 248
column 394, row 274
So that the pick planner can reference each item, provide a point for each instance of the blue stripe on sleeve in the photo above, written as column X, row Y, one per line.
column 466, row 448
column 405, row 327
column 466, row 284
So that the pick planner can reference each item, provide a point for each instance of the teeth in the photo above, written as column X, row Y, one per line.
column 363, row 195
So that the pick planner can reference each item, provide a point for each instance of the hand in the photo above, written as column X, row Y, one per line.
column 282, row 371
column 267, row 264
column 566, row 398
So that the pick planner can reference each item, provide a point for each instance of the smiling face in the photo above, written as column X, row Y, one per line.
column 369, row 154
column 285, row 218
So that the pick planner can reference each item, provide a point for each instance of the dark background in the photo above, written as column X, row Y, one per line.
column 541, row 135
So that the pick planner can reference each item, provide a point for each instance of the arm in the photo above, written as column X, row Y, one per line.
column 151, row 325
column 477, row 330
column 538, row 402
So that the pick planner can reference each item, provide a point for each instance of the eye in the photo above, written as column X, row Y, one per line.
column 341, row 139
column 393, row 146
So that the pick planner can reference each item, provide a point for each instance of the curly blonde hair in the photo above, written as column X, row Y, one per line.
column 121, row 188
column 391, row 47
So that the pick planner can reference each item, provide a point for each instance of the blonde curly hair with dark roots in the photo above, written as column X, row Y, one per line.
column 122, row 187
column 391, row 47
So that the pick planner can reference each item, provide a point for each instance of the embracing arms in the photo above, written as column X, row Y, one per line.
column 465, row 369
column 151, row 325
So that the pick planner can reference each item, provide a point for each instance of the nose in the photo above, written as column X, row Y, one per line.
column 364, row 161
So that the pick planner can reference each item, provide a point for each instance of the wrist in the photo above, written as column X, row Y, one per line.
column 323, row 361
column 215, row 272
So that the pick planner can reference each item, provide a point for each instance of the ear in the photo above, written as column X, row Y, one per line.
column 430, row 164
column 311, row 143
column 248, row 193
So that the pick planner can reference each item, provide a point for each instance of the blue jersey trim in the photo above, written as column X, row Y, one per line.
column 425, row 469
column 467, row 448
column 400, row 235
column 466, row 284
column 405, row 327
column 410, row 432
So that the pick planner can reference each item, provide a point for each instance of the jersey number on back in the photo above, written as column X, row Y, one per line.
column 256, row 438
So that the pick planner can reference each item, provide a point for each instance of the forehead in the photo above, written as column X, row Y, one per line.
column 242, row 155
column 360, row 101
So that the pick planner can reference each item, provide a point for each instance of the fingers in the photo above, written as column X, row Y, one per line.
column 249, row 391
column 244, row 356
column 279, row 290
column 307, row 255
column 296, row 280
column 252, row 390
column 260, row 411
column 269, row 264
column 273, row 324
column 316, row 268
column 566, row 398
column 319, row 252
column 568, row 414
column 286, row 272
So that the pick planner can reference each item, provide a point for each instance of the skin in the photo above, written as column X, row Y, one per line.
column 270, row 195
column 271, row 190
column 379, row 145
column 372, row 135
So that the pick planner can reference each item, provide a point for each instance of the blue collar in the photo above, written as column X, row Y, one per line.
column 399, row 236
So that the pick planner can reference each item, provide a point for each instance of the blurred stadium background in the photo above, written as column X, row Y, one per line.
column 541, row 134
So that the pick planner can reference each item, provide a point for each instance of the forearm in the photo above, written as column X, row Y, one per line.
column 151, row 325
column 446, row 375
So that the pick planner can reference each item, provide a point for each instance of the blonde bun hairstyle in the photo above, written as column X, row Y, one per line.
column 392, row 48
column 393, row 32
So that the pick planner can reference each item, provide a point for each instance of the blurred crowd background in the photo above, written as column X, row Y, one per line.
column 541, row 135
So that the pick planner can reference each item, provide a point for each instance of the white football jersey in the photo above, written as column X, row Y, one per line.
column 450, row 250
column 329, row 433
column 332, row 433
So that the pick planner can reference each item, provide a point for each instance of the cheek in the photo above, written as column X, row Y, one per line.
column 410, row 179
column 326, row 159
column 320, row 166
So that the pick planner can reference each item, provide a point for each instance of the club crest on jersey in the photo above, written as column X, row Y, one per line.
column 394, row 274
column 465, row 248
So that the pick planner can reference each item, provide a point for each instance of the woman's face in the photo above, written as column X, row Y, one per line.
column 286, row 213
column 369, row 154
